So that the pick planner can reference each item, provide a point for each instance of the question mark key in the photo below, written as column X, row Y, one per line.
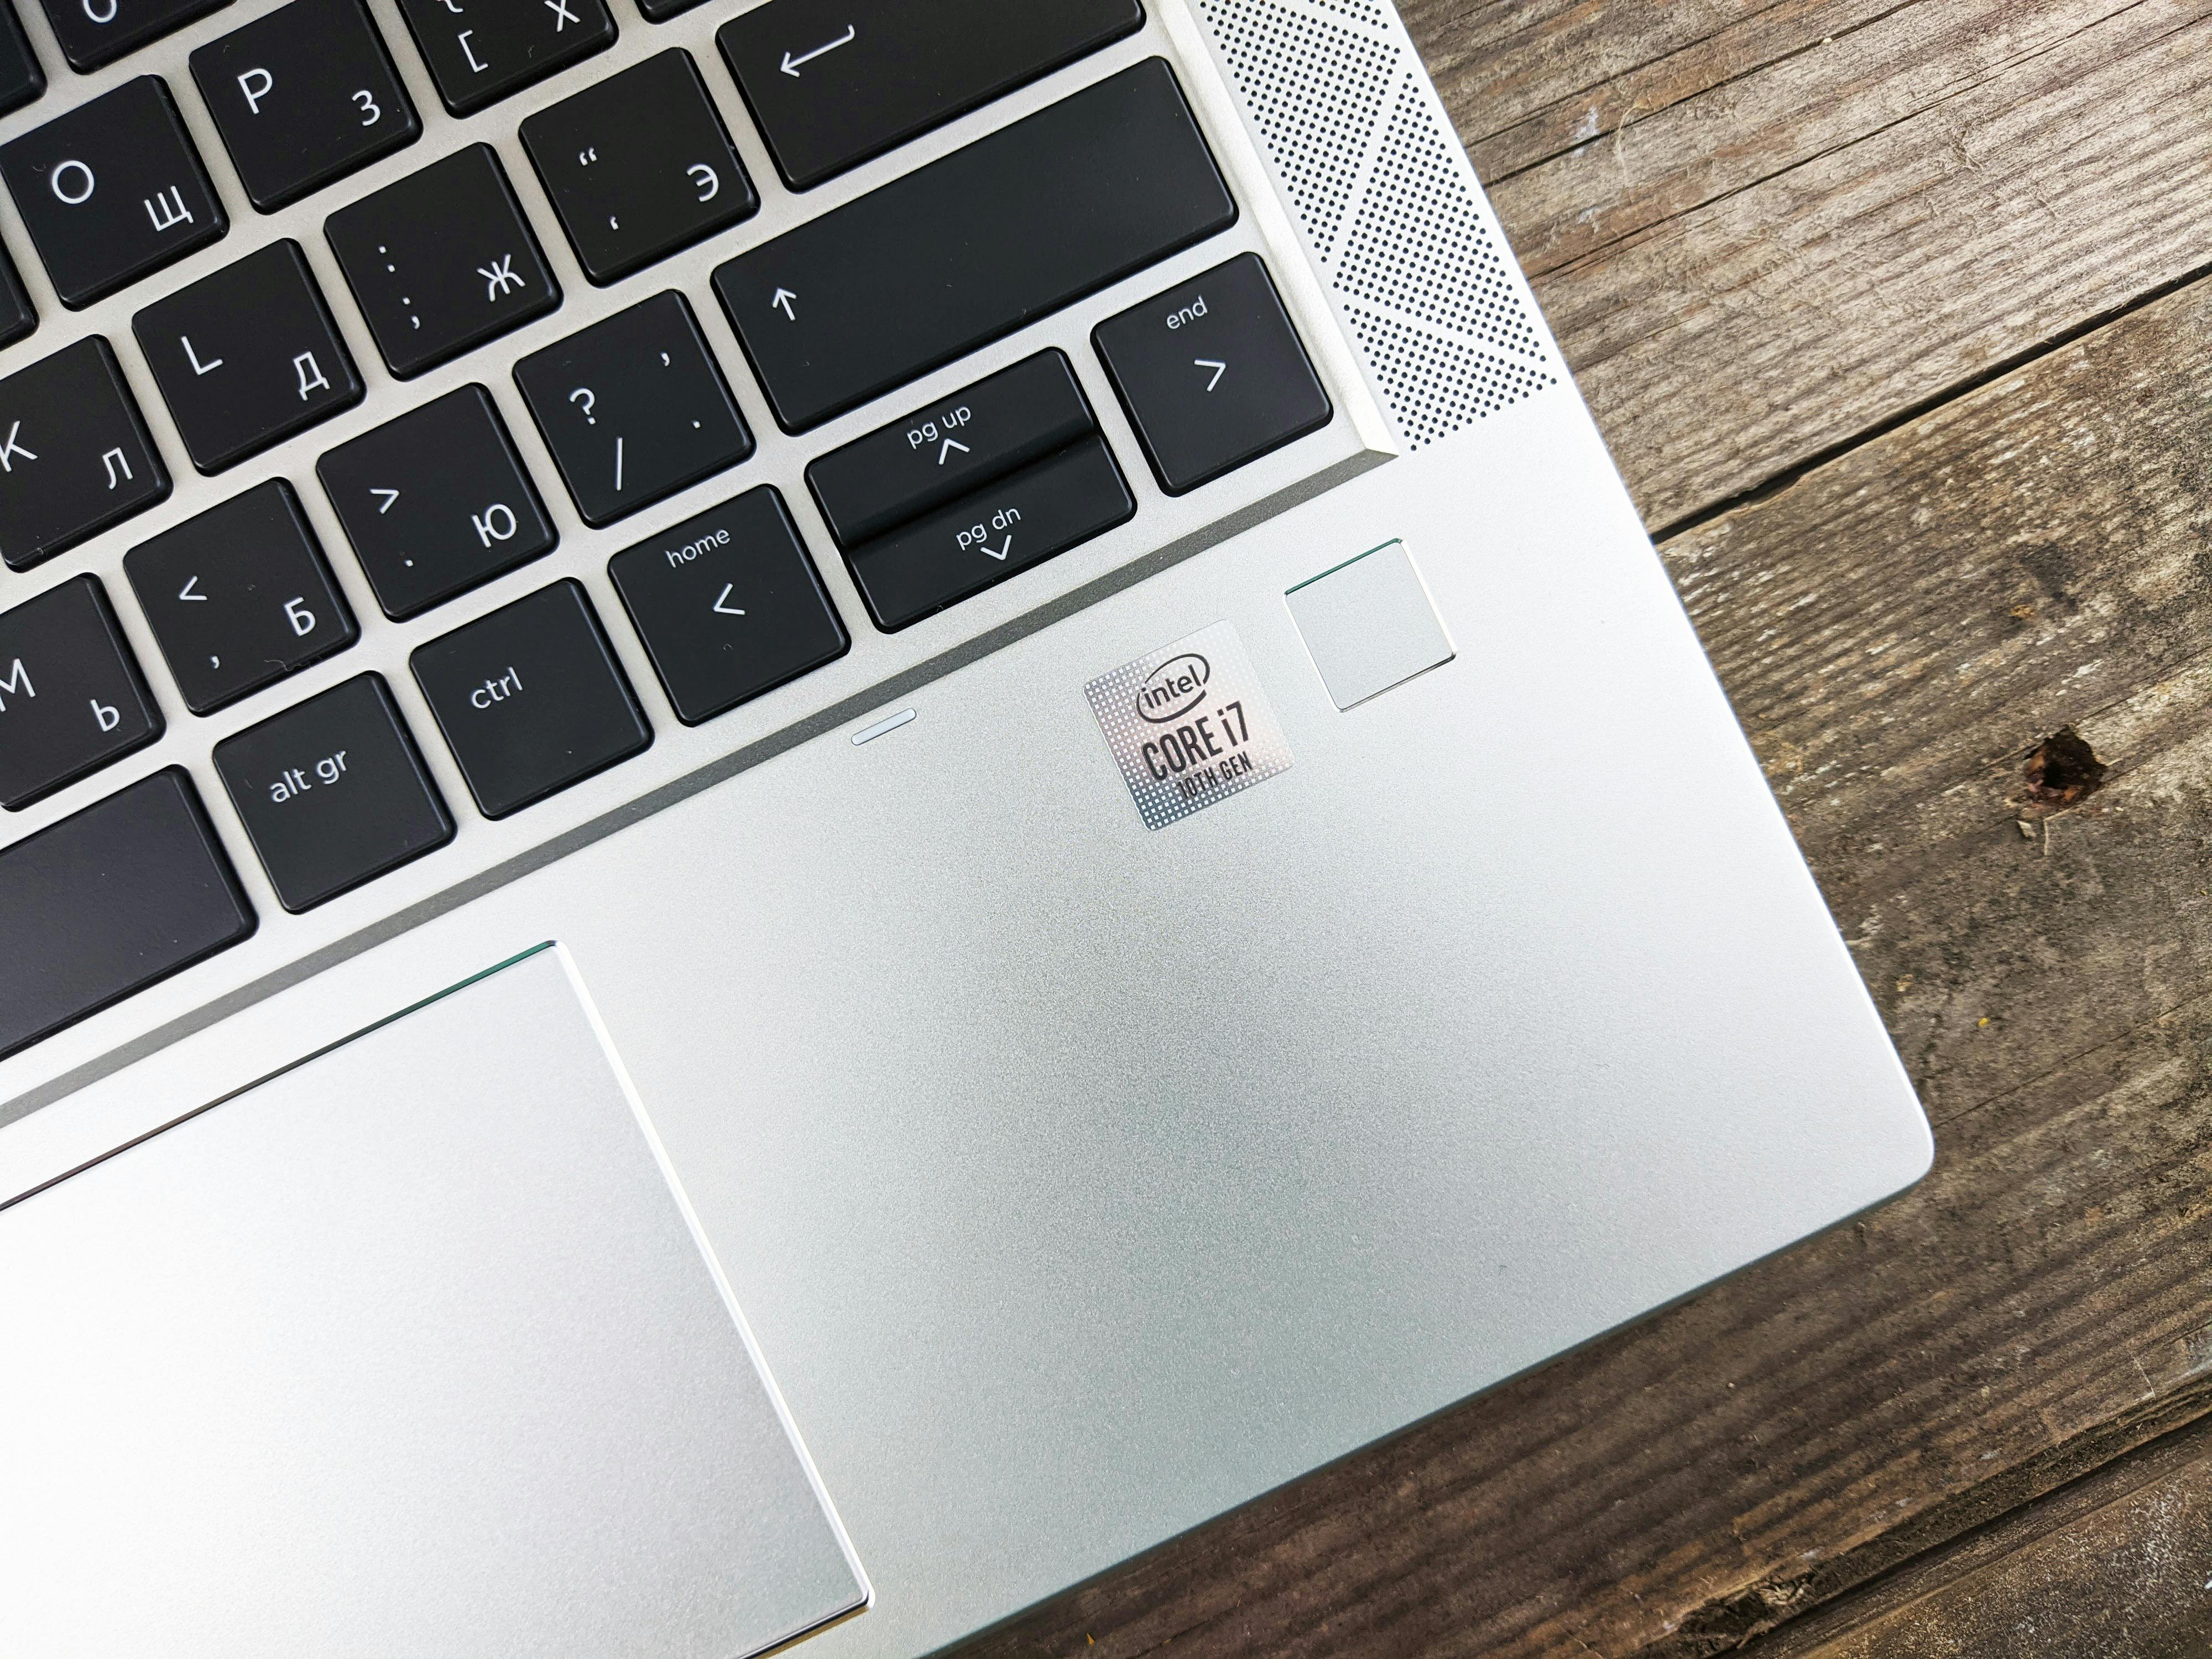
column 671, row 420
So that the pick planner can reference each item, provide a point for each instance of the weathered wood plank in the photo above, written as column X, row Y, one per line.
column 2046, row 1300
column 1898, row 629
column 1520, row 76
column 1766, row 270
column 2114, row 1567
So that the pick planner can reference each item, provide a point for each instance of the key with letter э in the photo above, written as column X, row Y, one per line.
column 957, row 444
column 639, row 166
column 833, row 82
column 968, row 249
column 129, row 890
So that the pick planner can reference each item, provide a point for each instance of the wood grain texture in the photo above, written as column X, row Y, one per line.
column 2118, row 1566
column 1918, row 276
column 1822, row 216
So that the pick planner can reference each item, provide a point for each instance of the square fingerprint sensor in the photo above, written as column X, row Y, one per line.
column 1369, row 625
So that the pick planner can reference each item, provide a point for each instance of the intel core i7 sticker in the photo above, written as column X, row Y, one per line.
column 1188, row 724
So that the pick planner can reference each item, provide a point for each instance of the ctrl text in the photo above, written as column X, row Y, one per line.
column 499, row 691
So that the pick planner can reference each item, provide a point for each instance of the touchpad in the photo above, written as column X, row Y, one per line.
column 409, row 1349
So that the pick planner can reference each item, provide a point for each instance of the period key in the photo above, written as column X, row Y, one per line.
column 333, row 792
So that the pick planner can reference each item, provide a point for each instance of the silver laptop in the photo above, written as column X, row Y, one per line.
column 815, row 810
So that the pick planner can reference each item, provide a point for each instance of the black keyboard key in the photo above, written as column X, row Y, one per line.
column 333, row 792
column 22, row 80
column 1213, row 375
column 96, row 32
column 112, row 191
column 980, row 541
column 639, row 166
column 125, row 893
column 442, row 261
column 70, row 697
column 436, row 502
column 833, row 82
column 246, row 358
column 239, row 597
column 480, row 50
column 729, row 605
column 634, row 409
column 971, row 247
column 531, row 699
column 18, row 317
column 302, row 97
column 951, row 448
column 660, row 11
column 74, row 454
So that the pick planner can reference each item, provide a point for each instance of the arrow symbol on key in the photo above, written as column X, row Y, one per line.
column 186, row 592
column 782, row 301
column 1219, row 368
column 951, row 444
column 998, row 553
column 790, row 65
column 723, row 604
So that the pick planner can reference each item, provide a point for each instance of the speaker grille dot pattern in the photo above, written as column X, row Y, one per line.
column 1308, row 84
column 1389, row 205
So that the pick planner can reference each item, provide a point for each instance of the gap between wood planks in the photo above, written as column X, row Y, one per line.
column 1766, row 488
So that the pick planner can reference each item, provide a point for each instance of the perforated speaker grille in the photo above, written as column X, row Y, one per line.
column 1389, row 206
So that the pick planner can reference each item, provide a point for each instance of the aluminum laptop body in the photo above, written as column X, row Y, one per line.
column 1069, row 1065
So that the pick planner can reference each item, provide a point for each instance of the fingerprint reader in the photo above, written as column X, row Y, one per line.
column 1369, row 625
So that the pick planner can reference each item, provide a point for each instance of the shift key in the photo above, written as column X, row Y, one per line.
column 984, row 538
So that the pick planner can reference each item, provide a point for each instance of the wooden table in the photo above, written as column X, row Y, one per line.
column 1898, row 315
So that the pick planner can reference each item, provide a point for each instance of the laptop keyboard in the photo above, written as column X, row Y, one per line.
column 835, row 311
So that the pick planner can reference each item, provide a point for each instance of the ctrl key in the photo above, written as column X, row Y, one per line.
column 531, row 699
column 333, row 792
